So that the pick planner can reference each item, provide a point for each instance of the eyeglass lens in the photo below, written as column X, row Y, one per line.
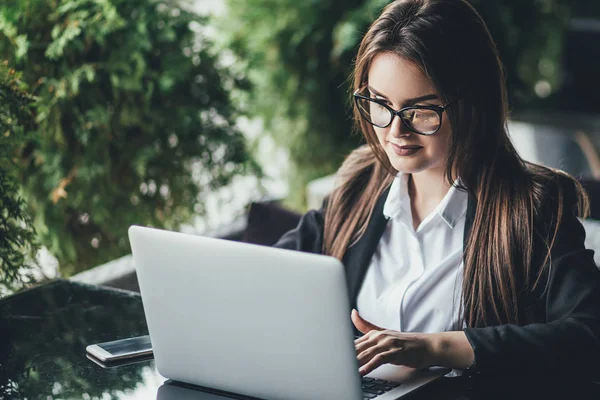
column 421, row 120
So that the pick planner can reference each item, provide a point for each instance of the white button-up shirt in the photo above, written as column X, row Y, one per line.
column 413, row 283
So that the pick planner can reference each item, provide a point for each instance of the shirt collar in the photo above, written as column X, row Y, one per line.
column 397, row 205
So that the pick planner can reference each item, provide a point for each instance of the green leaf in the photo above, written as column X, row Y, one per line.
column 114, row 88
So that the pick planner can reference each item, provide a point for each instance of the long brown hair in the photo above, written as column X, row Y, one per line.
column 450, row 43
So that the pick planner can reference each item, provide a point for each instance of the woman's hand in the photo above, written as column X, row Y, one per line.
column 381, row 346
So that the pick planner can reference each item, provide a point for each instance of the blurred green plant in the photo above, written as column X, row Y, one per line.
column 135, row 122
column 17, row 235
column 299, row 54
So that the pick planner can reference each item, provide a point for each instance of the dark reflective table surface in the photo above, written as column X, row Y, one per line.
column 44, row 332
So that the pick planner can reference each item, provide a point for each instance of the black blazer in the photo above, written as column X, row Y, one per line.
column 565, row 337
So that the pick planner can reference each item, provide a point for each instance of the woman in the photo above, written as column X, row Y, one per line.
column 457, row 252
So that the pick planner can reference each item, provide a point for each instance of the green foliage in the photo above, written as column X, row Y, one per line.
column 299, row 55
column 16, row 230
column 135, row 123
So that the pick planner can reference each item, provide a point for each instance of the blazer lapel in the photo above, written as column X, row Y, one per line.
column 469, row 218
column 358, row 257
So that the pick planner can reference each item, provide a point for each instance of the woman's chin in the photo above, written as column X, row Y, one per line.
column 407, row 166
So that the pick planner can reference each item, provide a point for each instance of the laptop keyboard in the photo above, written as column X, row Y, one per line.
column 373, row 388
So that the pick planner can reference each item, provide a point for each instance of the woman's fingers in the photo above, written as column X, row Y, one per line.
column 361, row 339
column 367, row 337
column 400, row 348
column 376, row 361
column 377, row 346
column 361, row 324
column 366, row 351
column 360, row 347
column 366, row 355
column 368, row 340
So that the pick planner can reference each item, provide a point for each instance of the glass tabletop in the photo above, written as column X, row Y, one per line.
column 44, row 332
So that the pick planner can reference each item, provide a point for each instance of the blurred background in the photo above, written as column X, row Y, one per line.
column 181, row 114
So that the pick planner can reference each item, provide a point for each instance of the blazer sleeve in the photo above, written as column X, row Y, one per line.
column 307, row 236
column 569, row 340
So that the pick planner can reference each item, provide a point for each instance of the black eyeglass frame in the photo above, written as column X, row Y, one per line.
column 438, row 109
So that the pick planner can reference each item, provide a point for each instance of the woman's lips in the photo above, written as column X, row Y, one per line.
column 408, row 150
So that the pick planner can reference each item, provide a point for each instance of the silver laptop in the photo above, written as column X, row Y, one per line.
column 254, row 320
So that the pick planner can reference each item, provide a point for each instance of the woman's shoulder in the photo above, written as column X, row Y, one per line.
column 556, row 228
column 555, row 190
column 558, row 200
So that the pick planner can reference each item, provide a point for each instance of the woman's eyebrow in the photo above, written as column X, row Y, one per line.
column 377, row 93
column 419, row 99
column 408, row 102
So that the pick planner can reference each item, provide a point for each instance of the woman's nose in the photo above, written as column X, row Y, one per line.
column 398, row 128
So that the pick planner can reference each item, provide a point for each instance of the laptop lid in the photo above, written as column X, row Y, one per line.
column 264, row 322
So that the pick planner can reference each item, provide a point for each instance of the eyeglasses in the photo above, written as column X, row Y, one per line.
column 424, row 120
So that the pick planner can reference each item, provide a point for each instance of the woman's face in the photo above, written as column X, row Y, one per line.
column 399, row 83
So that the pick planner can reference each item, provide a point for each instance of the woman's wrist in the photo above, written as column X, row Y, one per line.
column 451, row 349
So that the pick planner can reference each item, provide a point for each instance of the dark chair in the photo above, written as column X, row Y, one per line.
column 267, row 222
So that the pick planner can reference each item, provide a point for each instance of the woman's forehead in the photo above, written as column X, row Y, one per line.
column 397, row 79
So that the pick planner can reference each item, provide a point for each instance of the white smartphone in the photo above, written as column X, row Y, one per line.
column 130, row 348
